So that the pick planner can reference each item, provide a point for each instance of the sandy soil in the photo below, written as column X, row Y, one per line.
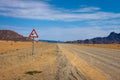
column 58, row 62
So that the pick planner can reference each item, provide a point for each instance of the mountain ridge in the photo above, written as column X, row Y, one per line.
column 111, row 38
column 12, row 35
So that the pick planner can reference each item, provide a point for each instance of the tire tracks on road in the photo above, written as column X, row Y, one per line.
column 66, row 71
column 89, row 71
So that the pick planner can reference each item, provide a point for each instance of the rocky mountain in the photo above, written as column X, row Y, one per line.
column 111, row 38
column 11, row 35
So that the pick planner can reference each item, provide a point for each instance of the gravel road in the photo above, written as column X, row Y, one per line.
column 95, row 63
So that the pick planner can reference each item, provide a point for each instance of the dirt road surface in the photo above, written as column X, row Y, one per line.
column 94, row 63
column 60, row 62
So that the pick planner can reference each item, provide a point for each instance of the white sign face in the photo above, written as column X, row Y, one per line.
column 33, row 34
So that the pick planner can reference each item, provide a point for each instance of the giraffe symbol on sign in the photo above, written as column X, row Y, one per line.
column 33, row 34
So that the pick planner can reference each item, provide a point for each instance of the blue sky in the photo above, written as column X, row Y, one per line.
column 61, row 19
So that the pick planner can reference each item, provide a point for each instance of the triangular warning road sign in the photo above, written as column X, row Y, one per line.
column 33, row 34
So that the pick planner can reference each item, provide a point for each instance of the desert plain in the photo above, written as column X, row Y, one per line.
column 53, row 61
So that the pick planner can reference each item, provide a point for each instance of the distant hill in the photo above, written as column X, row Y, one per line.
column 11, row 35
column 51, row 41
column 111, row 38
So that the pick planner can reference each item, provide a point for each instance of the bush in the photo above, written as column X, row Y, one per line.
column 33, row 72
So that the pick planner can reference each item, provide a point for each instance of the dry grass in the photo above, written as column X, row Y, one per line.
column 15, row 45
column 111, row 46
column 48, row 63
column 17, row 64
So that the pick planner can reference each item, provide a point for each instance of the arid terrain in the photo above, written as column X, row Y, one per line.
column 110, row 46
column 6, row 46
column 58, row 61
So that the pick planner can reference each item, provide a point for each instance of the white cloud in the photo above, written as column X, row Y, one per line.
column 87, row 9
column 104, row 23
column 44, row 11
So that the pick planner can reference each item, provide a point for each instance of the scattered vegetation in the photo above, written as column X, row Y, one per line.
column 12, row 45
column 33, row 72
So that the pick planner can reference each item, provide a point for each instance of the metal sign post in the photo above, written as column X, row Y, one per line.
column 33, row 35
column 33, row 47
